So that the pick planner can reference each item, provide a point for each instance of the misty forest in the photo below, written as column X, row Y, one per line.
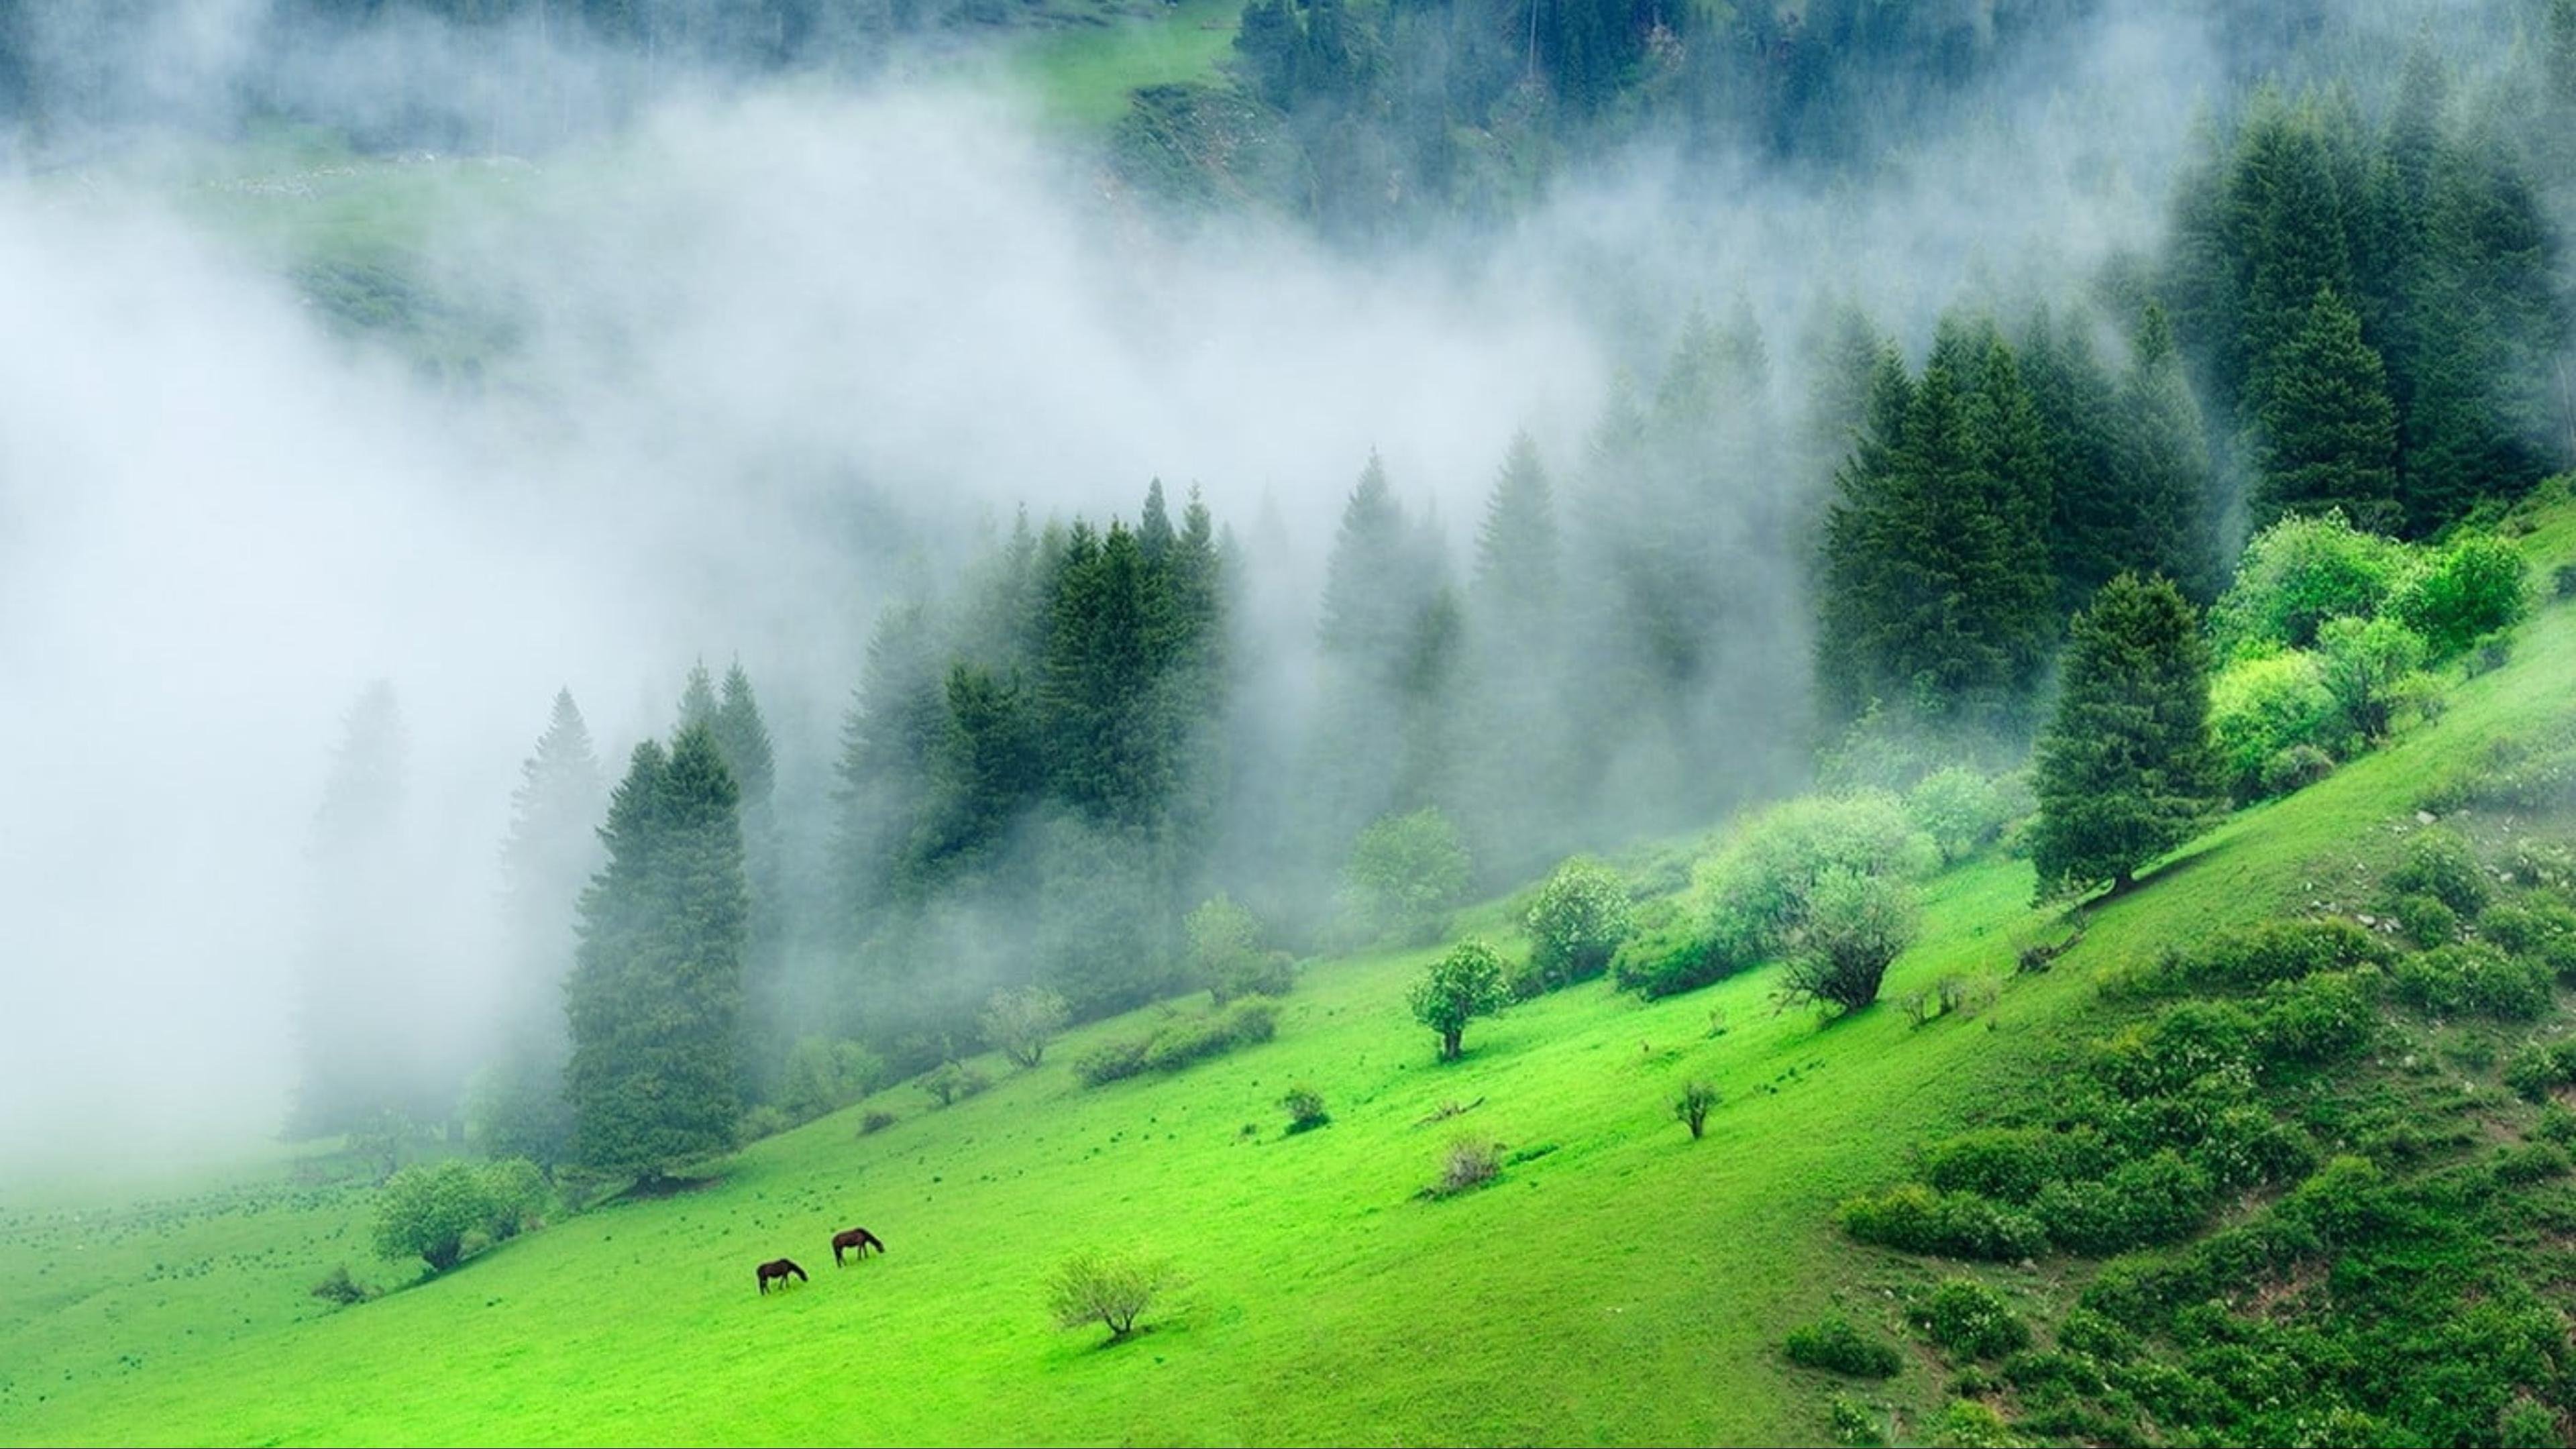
column 1288, row 721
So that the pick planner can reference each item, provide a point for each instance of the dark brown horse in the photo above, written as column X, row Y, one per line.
column 859, row 1238
column 779, row 1268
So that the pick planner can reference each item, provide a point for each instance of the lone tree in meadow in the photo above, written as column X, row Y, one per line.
column 655, row 998
column 1578, row 920
column 1020, row 1023
column 1459, row 987
column 2126, row 770
column 1111, row 1288
column 1857, row 925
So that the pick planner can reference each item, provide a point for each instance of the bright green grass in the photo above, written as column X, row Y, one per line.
column 1082, row 75
column 1625, row 1285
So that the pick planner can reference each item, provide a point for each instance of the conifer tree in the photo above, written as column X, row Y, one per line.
column 654, row 1003
column 2125, row 769
column 2328, row 433
column 552, row 849
column 698, row 704
column 2162, row 467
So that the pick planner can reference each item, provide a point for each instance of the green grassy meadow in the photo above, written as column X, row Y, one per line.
column 1618, row 1283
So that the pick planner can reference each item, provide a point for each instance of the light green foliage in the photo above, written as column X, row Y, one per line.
column 1856, row 926
column 1579, row 919
column 824, row 1075
column 1225, row 947
column 2471, row 589
column 1459, row 987
column 2370, row 668
column 950, row 1081
column 518, row 1194
column 2263, row 705
column 426, row 1211
column 1404, row 872
column 1758, row 888
column 1960, row 809
column 1970, row 1320
column 1691, row 1107
column 2300, row 573
column 1019, row 1023
column 1834, row 1345
column 1108, row 1287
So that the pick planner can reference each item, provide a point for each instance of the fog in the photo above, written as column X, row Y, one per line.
column 777, row 355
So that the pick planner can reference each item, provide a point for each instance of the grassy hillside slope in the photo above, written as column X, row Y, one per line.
column 1619, row 1283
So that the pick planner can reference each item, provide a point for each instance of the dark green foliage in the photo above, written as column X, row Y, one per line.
column 2320, row 1019
column 2540, row 1068
column 2009, row 1164
column 2155, row 1199
column 1691, row 1108
column 2425, row 920
column 655, row 999
column 429, row 1212
column 950, row 1081
column 1113, row 1061
column 1666, row 955
column 2370, row 669
column 1578, row 921
column 1459, row 987
column 2440, row 864
column 2126, row 771
column 1834, row 1345
column 2327, row 431
column 1305, row 1108
column 2542, row 930
column 2473, row 979
column 2270, row 951
column 1913, row 1218
column 339, row 1288
column 1969, row 1320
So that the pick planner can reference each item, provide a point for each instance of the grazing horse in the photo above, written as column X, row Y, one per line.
column 859, row 1238
column 779, row 1268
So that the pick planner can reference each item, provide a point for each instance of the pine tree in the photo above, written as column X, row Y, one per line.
column 2125, row 770
column 2093, row 526
column 743, row 737
column 654, row 1003
column 698, row 704
column 1516, row 550
column 1860, row 551
column 2162, row 467
column 551, row 850
column 2328, row 433
column 888, row 738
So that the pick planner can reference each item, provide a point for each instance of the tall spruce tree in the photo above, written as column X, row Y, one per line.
column 551, row 850
column 2125, row 769
column 654, row 1003
column 2327, row 431
column 742, row 737
column 2162, row 467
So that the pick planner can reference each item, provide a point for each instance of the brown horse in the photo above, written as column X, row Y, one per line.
column 779, row 1268
column 859, row 1238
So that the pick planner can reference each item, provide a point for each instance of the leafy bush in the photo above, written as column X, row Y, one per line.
column 2425, row 920
column 1113, row 1061
column 2475, row 587
column 2528, row 1424
column 516, row 1189
column 1856, row 925
column 2157, row 1199
column 2540, row 1068
column 2295, row 769
column 1967, row 1424
column 1691, row 1108
column 2260, row 955
column 950, row 1081
column 2528, row 1163
column 1960, row 810
column 1578, row 921
column 338, row 1287
column 1913, row 1218
column 1305, row 1108
column 2542, row 930
column 1404, row 873
column 1020, row 1023
column 2440, row 864
column 1967, row 1318
column 2297, row 575
column 1225, row 950
column 1855, row 1425
column 426, row 1212
column 1666, row 955
column 2370, row 669
column 2320, row 1019
column 1760, row 889
column 823, row 1076
column 2473, row 979
column 1832, row 1344
column 1112, row 1288
column 2190, row 1041
column 875, row 1122
column 1459, row 987
column 1467, row 1163
column 2263, row 708
column 2008, row 1164
column 1184, row 1043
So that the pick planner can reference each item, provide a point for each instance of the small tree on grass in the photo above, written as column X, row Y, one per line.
column 949, row 1081
column 1225, row 947
column 1578, row 920
column 1856, row 925
column 2369, row 665
column 425, row 1212
column 1305, row 1108
column 1692, row 1106
column 1021, row 1023
column 1112, row 1288
column 1459, row 987
column 2126, row 769
column 1404, row 871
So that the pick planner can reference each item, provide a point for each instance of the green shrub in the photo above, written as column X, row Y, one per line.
column 1578, row 920
column 1968, row 1319
column 2008, row 1164
column 1467, row 1163
column 1760, row 888
column 2298, row 574
column 1691, row 1108
column 2343, row 1203
column 875, row 1122
column 2440, row 864
column 2277, row 950
column 1455, row 990
column 1404, row 873
column 1855, row 927
column 426, row 1211
column 2556, row 1124
column 1305, row 1108
column 2474, row 979
column 1020, row 1023
column 823, row 1076
column 338, row 1287
column 1113, row 1061
column 2087, row 1332
column 1111, row 1288
column 2371, row 670
column 2319, row 1019
column 1967, row 1424
column 1855, row 1425
column 2264, row 707
column 2540, row 1068
column 952, row 1081
column 1667, row 955
column 2528, row 1424
column 2189, row 1041
column 2294, row 769
column 1834, row 1345
column 2530, row 1162
column 2158, row 1199
column 1913, row 1218
column 1960, row 810
column 2425, row 920
column 2475, row 587
column 2543, row 930
column 1187, row 1042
